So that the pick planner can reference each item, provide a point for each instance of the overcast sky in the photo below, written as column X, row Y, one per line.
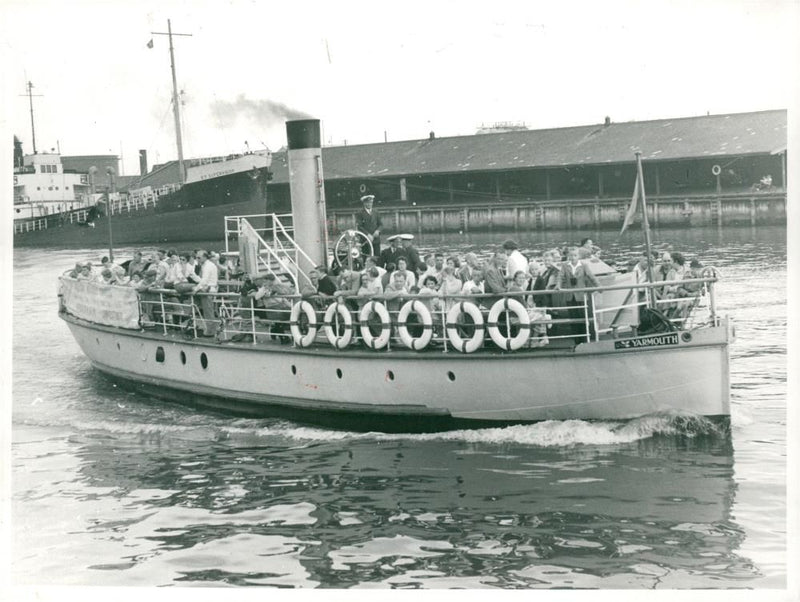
column 365, row 68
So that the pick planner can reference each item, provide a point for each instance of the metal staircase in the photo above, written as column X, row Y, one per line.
column 270, row 249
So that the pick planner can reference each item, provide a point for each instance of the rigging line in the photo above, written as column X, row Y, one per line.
column 160, row 125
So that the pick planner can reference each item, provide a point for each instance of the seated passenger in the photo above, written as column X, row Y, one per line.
column 370, row 261
column 116, row 270
column 577, row 274
column 349, row 283
column 666, row 272
column 402, row 266
column 451, row 285
column 395, row 292
column 85, row 273
column 430, row 293
column 137, row 264
column 474, row 286
column 495, row 280
column 76, row 271
column 690, row 291
column 274, row 297
column 464, row 272
column 386, row 278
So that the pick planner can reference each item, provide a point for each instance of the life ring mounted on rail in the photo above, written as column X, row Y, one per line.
column 417, row 307
column 337, row 317
column 454, row 336
column 300, row 339
column 507, row 305
column 380, row 341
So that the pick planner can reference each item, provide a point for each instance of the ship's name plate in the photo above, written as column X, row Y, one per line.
column 657, row 340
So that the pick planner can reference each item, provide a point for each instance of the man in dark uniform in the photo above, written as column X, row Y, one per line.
column 391, row 253
column 369, row 222
column 411, row 253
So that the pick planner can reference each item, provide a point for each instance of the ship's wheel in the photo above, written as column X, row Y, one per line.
column 350, row 249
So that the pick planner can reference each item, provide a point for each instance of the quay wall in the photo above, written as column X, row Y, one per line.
column 595, row 214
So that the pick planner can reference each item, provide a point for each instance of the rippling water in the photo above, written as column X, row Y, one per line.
column 115, row 488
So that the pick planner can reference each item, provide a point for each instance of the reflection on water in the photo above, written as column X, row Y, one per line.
column 114, row 488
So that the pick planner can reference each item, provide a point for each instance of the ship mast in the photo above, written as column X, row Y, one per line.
column 176, row 111
column 30, row 96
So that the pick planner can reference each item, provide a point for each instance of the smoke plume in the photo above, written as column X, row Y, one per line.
column 265, row 113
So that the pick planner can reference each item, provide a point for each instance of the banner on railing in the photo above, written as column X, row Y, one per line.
column 248, row 247
column 101, row 303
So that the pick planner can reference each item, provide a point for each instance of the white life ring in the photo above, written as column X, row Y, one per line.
column 362, row 189
column 308, row 310
column 381, row 340
column 418, row 307
column 512, row 305
column 465, row 345
column 346, row 320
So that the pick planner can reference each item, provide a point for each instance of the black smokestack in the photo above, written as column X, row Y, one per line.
column 265, row 113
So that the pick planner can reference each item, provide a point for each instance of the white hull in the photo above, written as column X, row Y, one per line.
column 594, row 381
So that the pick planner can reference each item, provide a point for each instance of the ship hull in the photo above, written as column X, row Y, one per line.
column 404, row 390
column 196, row 212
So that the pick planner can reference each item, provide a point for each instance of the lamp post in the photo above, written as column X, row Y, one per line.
column 111, row 173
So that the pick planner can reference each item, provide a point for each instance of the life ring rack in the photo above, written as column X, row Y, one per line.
column 299, row 338
column 509, row 343
column 456, row 340
column 339, row 312
column 380, row 341
column 417, row 307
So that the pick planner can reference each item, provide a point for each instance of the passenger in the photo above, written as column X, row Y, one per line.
column 137, row 264
column 438, row 266
column 451, row 285
column 429, row 293
column 395, row 292
column 275, row 299
column 427, row 269
column 349, row 283
column 175, row 272
column 689, row 290
column 76, row 271
column 209, row 277
column 679, row 263
column 516, row 261
column 312, row 292
column 326, row 285
column 465, row 270
column 386, row 279
column 664, row 273
column 135, row 280
column 370, row 261
column 402, row 266
column 370, row 286
column 518, row 284
column 85, row 273
column 587, row 249
column 107, row 277
column 495, row 280
column 576, row 274
column 475, row 285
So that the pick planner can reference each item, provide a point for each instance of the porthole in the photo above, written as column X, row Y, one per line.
column 687, row 337
column 160, row 355
column 294, row 369
column 338, row 372
column 389, row 375
column 451, row 376
column 183, row 358
column 203, row 361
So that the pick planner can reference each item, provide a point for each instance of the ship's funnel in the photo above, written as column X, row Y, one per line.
column 307, row 188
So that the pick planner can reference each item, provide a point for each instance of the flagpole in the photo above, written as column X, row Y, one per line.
column 645, row 223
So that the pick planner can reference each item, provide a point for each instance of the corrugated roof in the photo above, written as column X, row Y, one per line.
column 662, row 139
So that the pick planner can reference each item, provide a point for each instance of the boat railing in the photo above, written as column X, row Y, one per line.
column 508, row 321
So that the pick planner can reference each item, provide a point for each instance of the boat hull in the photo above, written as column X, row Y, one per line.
column 431, row 389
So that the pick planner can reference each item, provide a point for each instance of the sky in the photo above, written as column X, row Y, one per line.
column 373, row 71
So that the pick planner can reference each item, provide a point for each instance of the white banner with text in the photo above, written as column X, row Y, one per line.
column 106, row 304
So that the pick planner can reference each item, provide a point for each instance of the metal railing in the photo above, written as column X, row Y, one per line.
column 238, row 318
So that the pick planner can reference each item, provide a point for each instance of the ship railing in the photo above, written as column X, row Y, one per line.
column 241, row 319
column 268, row 231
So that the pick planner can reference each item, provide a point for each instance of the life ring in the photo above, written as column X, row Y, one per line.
column 512, row 305
column 308, row 309
column 362, row 189
column 381, row 340
column 418, row 307
column 716, row 170
column 346, row 320
column 465, row 345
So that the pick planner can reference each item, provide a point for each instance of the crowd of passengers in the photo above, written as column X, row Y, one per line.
column 399, row 271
